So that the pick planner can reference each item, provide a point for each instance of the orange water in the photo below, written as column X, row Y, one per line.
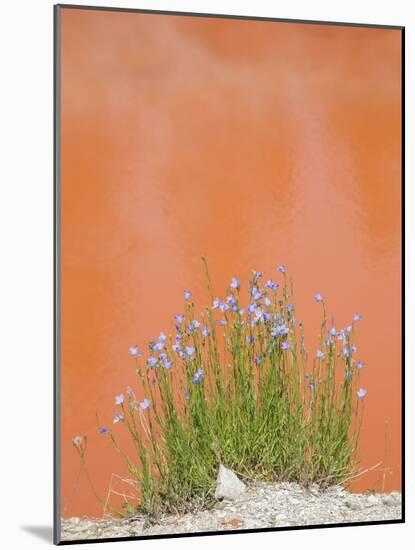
column 253, row 143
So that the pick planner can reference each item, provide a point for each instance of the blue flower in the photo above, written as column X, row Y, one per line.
column 345, row 352
column 187, row 294
column 223, row 307
column 223, row 322
column 152, row 361
column 167, row 364
column 332, row 331
column 257, row 360
column 176, row 347
column 267, row 301
column 117, row 418
column 285, row 345
column 196, row 324
column 281, row 269
column 290, row 308
column 133, row 350
column 159, row 346
column 241, row 311
column 361, row 393
column 144, row 405
column 190, row 350
column 270, row 284
column 119, row 399
column 186, row 394
column 360, row 365
column 179, row 319
column 162, row 337
column 205, row 331
column 353, row 349
column 318, row 298
column 256, row 294
column 235, row 283
column 103, row 430
column 163, row 356
column 274, row 332
column 250, row 339
column 282, row 330
column 198, row 376
column 356, row 317
column 216, row 303
column 320, row 354
column 231, row 299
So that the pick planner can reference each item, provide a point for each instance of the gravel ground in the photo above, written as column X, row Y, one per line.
column 263, row 505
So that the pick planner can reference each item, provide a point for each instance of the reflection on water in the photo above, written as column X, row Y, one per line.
column 248, row 142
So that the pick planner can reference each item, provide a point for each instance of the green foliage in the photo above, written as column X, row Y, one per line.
column 234, row 394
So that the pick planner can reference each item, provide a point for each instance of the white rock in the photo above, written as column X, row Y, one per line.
column 389, row 500
column 372, row 499
column 228, row 485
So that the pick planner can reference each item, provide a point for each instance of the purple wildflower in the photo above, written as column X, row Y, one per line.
column 318, row 297
column 345, row 352
column 267, row 301
column 361, row 393
column 282, row 330
column 179, row 318
column 223, row 322
column 145, row 404
column 159, row 346
column 176, row 347
column 320, row 354
column 281, row 268
column 250, row 339
column 216, row 303
column 133, row 350
column 251, row 308
column 353, row 349
column 103, row 430
column 235, row 283
column 285, row 345
column 152, row 361
column 332, row 331
column 187, row 294
column 167, row 364
column 270, row 284
column 196, row 324
column 256, row 294
column 162, row 337
column 186, row 394
column 119, row 399
column 290, row 308
column 360, row 365
column 198, row 376
column 356, row 317
column 190, row 350
column 117, row 418
column 223, row 307
column 205, row 331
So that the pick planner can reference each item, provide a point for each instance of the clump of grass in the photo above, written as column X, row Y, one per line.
column 237, row 386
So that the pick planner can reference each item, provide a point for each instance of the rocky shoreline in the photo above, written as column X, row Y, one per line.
column 261, row 505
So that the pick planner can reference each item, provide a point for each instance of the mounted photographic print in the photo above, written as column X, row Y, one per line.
column 229, row 274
